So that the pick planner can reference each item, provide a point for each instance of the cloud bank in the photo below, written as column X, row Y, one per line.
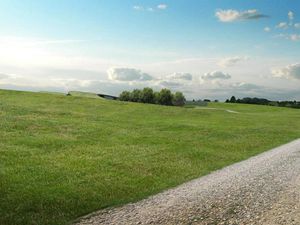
column 4, row 76
column 216, row 75
column 291, row 71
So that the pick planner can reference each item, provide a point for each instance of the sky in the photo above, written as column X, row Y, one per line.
column 203, row 48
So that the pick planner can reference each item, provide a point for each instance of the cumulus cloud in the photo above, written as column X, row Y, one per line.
column 128, row 74
column 282, row 25
column 231, row 61
column 267, row 29
column 291, row 26
column 231, row 15
column 291, row 15
column 216, row 75
column 180, row 76
column 162, row 6
column 291, row 71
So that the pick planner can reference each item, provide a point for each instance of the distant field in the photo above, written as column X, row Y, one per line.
column 62, row 157
column 83, row 94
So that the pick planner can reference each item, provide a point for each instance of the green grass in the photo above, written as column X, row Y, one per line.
column 62, row 157
column 83, row 94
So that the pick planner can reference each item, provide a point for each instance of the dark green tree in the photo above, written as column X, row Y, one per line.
column 125, row 96
column 165, row 97
column 135, row 95
column 233, row 99
column 178, row 99
column 147, row 95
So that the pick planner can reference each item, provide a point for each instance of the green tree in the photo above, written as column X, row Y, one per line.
column 232, row 99
column 125, row 96
column 135, row 95
column 156, row 98
column 147, row 95
column 178, row 99
column 165, row 97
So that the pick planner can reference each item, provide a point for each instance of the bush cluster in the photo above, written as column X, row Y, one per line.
column 263, row 101
column 147, row 95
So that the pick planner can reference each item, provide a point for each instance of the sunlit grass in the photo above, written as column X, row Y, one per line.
column 62, row 156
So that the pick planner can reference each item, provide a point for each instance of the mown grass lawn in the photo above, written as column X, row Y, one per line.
column 62, row 157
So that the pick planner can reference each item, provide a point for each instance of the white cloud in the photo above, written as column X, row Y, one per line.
column 267, row 29
column 162, row 6
column 215, row 75
column 282, row 25
column 150, row 9
column 4, row 76
column 138, row 7
column 180, row 76
column 38, row 53
column 128, row 74
column 294, row 37
column 170, row 84
column 291, row 71
column 246, row 86
column 231, row 61
column 297, row 25
column 175, row 80
column 231, row 15
column 291, row 15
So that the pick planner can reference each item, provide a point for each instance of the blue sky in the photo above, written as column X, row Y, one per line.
column 246, row 48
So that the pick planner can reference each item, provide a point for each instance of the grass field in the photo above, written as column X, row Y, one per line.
column 63, row 156
column 83, row 94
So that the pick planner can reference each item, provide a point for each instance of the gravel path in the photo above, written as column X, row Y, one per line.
column 264, row 189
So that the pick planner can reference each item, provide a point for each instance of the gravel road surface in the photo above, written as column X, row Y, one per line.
column 264, row 189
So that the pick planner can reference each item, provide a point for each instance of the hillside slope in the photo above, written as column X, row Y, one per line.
column 62, row 157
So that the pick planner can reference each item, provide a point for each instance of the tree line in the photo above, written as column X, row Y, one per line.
column 147, row 95
column 263, row 101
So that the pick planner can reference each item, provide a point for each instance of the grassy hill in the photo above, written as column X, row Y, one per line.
column 63, row 156
column 83, row 94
